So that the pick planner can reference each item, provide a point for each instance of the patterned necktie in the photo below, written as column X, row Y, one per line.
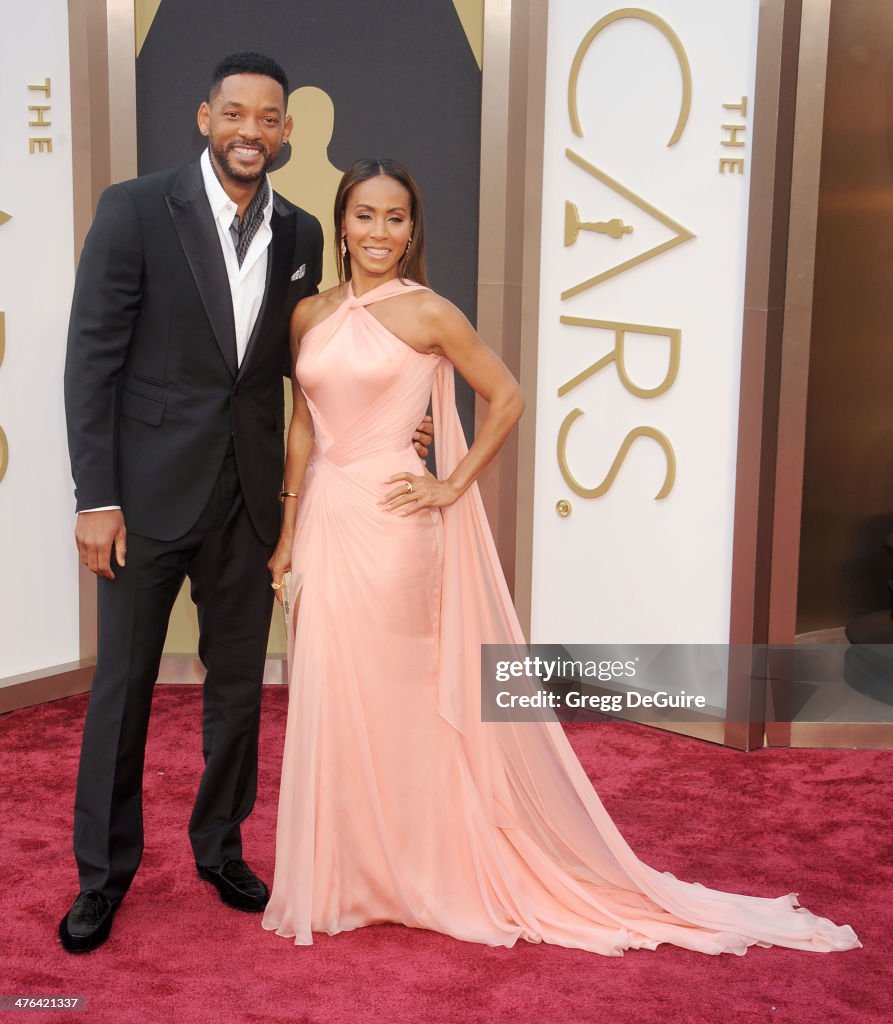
column 243, row 230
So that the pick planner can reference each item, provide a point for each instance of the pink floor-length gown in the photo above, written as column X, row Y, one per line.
column 397, row 804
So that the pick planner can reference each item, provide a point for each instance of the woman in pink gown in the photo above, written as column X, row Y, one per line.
column 397, row 803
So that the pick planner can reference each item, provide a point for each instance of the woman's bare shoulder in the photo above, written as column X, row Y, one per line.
column 436, row 312
column 315, row 308
column 425, row 304
column 421, row 318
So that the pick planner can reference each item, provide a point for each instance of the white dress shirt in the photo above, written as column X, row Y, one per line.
column 246, row 283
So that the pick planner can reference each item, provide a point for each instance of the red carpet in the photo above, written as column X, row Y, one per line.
column 765, row 823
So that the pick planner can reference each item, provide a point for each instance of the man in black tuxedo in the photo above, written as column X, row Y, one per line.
column 173, row 388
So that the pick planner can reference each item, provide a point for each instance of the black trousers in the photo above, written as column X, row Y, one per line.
column 226, row 563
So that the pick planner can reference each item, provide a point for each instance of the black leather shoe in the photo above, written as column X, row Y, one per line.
column 238, row 885
column 88, row 923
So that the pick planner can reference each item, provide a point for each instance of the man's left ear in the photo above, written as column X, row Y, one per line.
column 286, row 131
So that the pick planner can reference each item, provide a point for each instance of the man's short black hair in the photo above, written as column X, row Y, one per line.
column 249, row 64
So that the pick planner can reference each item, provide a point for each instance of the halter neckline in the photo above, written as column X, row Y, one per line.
column 385, row 290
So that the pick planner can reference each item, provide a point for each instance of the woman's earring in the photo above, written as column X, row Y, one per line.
column 343, row 247
column 408, row 245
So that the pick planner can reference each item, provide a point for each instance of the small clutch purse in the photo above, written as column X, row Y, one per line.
column 286, row 592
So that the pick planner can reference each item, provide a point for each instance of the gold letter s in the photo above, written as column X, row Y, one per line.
column 603, row 488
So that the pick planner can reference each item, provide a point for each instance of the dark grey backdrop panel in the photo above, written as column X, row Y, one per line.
column 403, row 81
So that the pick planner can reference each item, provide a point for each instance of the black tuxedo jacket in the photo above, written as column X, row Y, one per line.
column 153, row 393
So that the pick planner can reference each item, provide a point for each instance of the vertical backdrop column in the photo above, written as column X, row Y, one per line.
column 38, row 562
column 647, row 153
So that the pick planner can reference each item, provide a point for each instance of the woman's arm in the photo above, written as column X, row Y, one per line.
column 454, row 337
column 299, row 443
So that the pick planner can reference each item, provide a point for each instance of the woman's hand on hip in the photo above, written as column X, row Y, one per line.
column 412, row 493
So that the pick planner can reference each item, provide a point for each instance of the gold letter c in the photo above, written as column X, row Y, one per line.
column 666, row 31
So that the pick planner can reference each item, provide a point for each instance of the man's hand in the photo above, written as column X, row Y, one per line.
column 422, row 438
column 95, row 534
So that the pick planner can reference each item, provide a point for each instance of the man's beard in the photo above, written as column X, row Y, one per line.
column 231, row 170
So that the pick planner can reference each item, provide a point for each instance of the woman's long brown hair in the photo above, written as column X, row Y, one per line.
column 412, row 263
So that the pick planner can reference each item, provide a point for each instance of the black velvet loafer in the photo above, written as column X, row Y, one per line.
column 88, row 924
column 238, row 885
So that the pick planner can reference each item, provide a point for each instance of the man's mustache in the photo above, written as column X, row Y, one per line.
column 247, row 145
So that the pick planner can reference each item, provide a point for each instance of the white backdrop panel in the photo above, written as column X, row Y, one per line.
column 624, row 567
column 39, row 591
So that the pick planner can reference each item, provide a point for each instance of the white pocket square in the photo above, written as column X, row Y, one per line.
column 299, row 273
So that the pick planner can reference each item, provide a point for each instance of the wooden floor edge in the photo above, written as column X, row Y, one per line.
column 55, row 683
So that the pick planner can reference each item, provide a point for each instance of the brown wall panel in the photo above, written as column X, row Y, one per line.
column 848, row 478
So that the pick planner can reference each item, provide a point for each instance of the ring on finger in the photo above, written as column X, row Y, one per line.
column 409, row 487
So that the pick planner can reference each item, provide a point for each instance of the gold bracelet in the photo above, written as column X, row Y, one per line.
column 287, row 494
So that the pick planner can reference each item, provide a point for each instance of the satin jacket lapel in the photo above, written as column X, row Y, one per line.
column 194, row 224
column 279, row 261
